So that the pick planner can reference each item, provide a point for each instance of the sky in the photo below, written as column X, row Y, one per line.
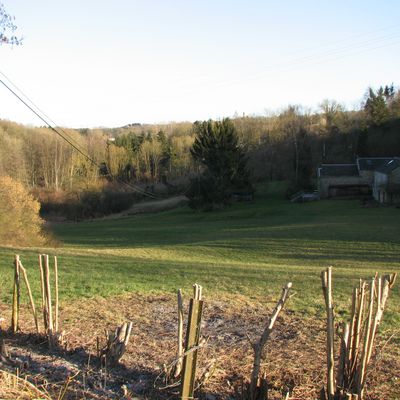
column 96, row 63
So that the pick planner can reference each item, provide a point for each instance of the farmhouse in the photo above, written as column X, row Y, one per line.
column 386, row 188
column 342, row 180
column 376, row 176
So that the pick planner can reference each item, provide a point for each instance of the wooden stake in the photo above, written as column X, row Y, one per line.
column 32, row 303
column 56, row 293
column 357, row 332
column 367, row 336
column 350, row 344
column 179, row 363
column 192, row 342
column 48, row 295
column 326, row 277
column 383, row 288
column 16, row 296
column 341, row 375
column 42, row 288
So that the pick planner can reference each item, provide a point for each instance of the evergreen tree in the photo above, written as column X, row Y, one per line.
column 224, row 164
column 376, row 105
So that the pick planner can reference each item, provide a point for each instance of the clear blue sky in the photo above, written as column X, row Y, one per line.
column 109, row 63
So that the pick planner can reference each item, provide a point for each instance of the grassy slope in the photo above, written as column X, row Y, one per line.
column 251, row 249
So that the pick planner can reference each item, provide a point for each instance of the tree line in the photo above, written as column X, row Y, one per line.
column 288, row 145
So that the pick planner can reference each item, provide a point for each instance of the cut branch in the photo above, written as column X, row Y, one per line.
column 16, row 296
column 179, row 362
column 259, row 346
column 32, row 303
column 326, row 278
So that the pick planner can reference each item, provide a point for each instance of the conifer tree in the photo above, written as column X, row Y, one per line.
column 223, row 162
column 376, row 105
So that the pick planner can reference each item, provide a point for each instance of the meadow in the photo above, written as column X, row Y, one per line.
column 249, row 249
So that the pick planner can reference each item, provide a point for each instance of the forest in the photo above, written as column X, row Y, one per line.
column 286, row 145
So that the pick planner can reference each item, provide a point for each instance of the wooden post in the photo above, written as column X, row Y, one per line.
column 358, row 330
column 341, row 375
column 56, row 294
column 42, row 288
column 326, row 277
column 367, row 338
column 32, row 303
column 192, row 342
column 384, row 286
column 178, row 368
column 350, row 344
column 48, row 295
column 16, row 296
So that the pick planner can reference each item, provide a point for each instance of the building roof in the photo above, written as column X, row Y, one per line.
column 338, row 170
column 389, row 166
column 371, row 163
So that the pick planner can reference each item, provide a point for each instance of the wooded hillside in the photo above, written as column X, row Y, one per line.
column 284, row 146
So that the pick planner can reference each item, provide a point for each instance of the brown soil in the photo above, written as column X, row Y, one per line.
column 294, row 360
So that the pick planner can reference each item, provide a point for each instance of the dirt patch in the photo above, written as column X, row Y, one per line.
column 157, row 205
column 294, row 360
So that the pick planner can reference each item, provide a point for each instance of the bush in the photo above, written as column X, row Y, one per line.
column 85, row 204
column 20, row 222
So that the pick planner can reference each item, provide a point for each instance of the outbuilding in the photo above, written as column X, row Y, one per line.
column 386, row 187
column 368, row 176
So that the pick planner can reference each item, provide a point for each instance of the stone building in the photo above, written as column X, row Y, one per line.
column 386, row 188
column 342, row 180
column 368, row 176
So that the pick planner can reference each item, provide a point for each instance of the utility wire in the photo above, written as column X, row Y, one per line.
column 28, row 100
column 326, row 56
column 298, row 54
column 70, row 141
column 77, row 145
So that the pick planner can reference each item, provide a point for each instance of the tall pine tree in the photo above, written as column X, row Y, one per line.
column 223, row 163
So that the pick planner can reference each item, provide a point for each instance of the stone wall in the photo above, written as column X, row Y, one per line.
column 326, row 182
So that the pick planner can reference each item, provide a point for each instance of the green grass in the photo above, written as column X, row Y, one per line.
column 249, row 249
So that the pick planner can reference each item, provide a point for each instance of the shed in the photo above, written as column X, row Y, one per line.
column 342, row 180
column 386, row 187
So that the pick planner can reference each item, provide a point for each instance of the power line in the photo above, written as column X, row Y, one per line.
column 295, row 54
column 27, row 99
column 77, row 146
column 69, row 140
column 329, row 55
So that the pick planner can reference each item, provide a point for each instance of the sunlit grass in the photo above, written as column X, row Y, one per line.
column 251, row 249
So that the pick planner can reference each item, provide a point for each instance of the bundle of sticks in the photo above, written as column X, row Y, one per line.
column 50, row 318
column 356, row 337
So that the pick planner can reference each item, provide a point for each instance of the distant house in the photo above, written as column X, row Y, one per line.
column 386, row 187
column 342, row 180
column 376, row 176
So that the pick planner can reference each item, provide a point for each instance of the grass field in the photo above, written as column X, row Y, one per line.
column 251, row 249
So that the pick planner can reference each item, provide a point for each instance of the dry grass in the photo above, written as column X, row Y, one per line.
column 14, row 387
column 157, row 206
column 294, row 363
